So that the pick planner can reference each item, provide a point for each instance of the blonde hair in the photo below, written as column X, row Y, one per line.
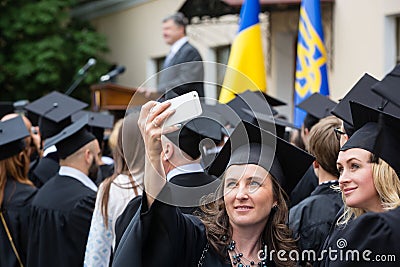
column 386, row 183
column 113, row 138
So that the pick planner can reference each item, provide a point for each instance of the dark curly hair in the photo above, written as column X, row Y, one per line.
column 276, row 233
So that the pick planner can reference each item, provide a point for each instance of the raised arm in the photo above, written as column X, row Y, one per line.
column 151, row 119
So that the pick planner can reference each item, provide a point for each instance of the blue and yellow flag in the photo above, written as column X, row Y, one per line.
column 311, row 70
column 246, row 69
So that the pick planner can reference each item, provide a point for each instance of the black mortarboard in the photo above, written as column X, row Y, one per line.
column 97, row 122
column 317, row 105
column 362, row 93
column 53, row 112
column 269, row 123
column 249, row 144
column 253, row 101
column 189, row 137
column 6, row 108
column 71, row 139
column 389, row 86
column 167, row 95
column 212, row 111
column 376, row 132
column 229, row 114
column 12, row 134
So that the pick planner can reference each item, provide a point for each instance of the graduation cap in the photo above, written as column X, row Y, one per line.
column 389, row 86
column 228, row 113
column 317, row 105
column 193, row 132
column 249, row 144
column 362, row 93
column 97, row 122
column 53, row 112
column 71, row 139
column 213, row 111
column 269, row 123
column 6, row 108
column 12, row 134
column 376, row 132
column 254, row 101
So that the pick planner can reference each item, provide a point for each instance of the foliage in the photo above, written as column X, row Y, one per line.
column 42, row 49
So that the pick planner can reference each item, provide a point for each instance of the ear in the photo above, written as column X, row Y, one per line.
column 168, row 151
column 316, row 167
column 315, row 164
column 88, row 156
column 306, row 131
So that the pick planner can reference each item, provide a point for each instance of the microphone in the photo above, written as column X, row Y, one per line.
column 88, row 64
column 115, row 72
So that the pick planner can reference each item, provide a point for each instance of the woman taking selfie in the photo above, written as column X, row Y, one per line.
column 243, row 223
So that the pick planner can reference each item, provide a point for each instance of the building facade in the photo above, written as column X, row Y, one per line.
column 360, row 36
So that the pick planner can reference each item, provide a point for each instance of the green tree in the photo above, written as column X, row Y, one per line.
column 42, row 49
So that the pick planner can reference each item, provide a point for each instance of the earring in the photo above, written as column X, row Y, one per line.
column 275, row 207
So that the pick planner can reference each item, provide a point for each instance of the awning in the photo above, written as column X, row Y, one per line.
column 217, row 8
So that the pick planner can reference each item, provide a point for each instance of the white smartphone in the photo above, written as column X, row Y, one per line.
column 186, row 107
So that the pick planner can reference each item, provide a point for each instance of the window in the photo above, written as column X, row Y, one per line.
column 222, row 53
column 397, row 40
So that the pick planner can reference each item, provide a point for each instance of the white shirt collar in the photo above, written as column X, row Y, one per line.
column 188, row 168
column 78, row 175
column 49, row 150
column 177, row 45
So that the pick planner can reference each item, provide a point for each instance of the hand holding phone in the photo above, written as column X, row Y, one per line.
column 186, row 107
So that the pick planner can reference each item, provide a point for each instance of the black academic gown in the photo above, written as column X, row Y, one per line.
column 312, row 218
column 186, row 180
column 105, row 171
column 60, row 220
column 378, row 233
column 164, row 236
column 304, row 187
column 44, row 169
column 16, row 204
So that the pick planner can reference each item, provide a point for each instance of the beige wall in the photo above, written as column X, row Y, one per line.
column 363, row 41
column 134, row 35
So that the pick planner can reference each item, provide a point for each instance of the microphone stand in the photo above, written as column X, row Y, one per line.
column 76, row 82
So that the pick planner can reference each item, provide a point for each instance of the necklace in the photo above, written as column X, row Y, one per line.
column 237, row 257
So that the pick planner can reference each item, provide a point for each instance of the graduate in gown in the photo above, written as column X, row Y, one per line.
column 312, row 218
column 317, row 107
column 181, row 159
column 52, row 113
column 16, row 192
column 116, row 191
column 62, row 209
column 367, row 233
column 242, row 222
column 97, row 123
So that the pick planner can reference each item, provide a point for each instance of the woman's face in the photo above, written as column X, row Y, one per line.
column 356, row 180
column 248, row 195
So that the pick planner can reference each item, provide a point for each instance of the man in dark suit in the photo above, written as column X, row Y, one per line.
column 176, row 76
